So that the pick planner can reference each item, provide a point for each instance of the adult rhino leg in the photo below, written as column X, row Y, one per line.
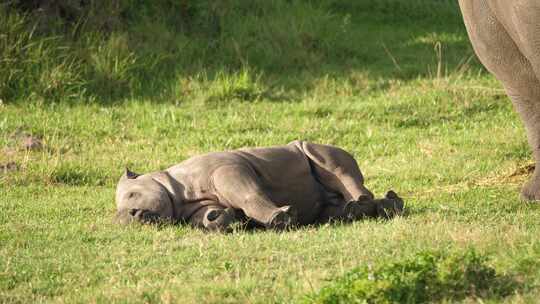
column 525, row 15
column 239, row 187
column 530, row 114
column 499, row 52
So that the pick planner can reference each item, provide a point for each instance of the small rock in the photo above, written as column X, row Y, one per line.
column 11, row 166
column 30, row 142
column 26, row 141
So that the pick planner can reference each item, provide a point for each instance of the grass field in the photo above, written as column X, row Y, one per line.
column 408, row 100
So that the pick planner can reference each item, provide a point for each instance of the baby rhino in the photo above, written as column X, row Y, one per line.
column 297, row 184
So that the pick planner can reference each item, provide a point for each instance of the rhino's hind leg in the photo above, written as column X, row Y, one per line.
column 336, row 170
column 348, row 211
column 517, row 68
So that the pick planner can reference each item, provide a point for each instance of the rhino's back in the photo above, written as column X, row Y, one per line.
column 195, row 173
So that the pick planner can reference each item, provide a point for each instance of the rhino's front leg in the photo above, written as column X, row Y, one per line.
column 530, row 114
column 214, row 218
column 239, row 187
column 504, row 35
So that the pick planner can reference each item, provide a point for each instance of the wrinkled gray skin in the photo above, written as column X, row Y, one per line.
column 505, row 35
column 299, row 183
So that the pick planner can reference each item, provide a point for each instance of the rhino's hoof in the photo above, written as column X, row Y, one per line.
column 389, row 209
column 219, row 220
column 529, row 196
column 531, row 191
column 355, row 210
column 283, row 219
column 213, row 215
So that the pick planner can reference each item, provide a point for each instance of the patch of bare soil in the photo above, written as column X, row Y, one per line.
column 515, row 177
column 18, row 141
column 523, row 170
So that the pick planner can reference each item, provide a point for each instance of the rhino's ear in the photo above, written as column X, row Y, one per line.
column 173, row 187
column 130, row 174
column 391, row 195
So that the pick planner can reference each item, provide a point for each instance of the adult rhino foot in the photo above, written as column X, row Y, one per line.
column 531, row 189
column 282, row 219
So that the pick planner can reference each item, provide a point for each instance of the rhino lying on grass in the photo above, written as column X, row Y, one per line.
column 299, row 183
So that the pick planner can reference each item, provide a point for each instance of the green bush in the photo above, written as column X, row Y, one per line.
column 92, row 50
column 427, row 277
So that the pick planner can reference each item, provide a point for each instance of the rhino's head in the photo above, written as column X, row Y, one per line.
column 145, row 198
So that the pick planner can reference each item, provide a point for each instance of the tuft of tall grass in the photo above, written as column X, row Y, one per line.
column 433, row 12
column 113, row 64
column 242, row 85
column 34, row 65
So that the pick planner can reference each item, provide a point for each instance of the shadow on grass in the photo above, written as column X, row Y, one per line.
column 242, row 50
column 75, row 175
column 385, row 55
column 367, row 47
column 245, row 225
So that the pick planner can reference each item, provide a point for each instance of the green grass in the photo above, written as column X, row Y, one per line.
column 426, row 278
column 400, row 93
